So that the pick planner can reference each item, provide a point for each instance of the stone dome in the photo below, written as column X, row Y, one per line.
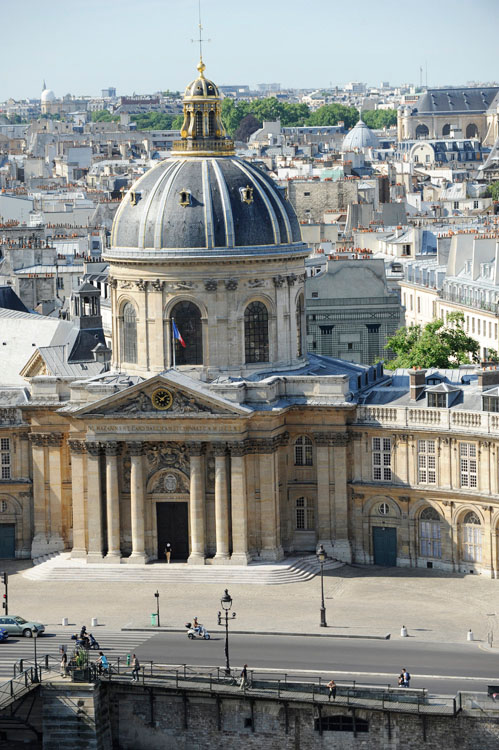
column 47, row 95
column 359, row 137
column 204, row 206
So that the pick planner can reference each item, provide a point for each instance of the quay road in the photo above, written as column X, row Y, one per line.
column 442, row 668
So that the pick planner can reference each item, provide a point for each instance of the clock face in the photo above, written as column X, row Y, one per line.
column 162, row 399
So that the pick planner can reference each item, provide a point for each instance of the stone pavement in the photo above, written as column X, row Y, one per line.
column 434, row 605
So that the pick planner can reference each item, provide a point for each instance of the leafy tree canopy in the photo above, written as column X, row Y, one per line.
column 437, row 344
column 156, row 121
column 380, row 118
column 104, row 115
column 247, row 127
column 493, row 190
column 332, row 114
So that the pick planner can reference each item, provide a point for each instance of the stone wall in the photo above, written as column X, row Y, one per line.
column 311, row 199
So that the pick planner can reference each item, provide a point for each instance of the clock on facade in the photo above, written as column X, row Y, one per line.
column 162, row 399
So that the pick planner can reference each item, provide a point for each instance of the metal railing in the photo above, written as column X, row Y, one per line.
column 27, row 676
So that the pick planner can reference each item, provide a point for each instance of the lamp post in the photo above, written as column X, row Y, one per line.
column 226, row 602
column 157, row 607
column 35, row 638
column 322, row 557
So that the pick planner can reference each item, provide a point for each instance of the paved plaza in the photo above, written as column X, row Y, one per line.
column 434, row 606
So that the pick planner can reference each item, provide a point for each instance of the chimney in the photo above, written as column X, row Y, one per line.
column 488, row 378
column 417, row 382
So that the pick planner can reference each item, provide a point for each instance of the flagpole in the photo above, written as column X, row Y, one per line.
column 173, row 341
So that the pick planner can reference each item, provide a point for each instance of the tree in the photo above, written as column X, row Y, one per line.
column 380, row 118
column 332, row 114
column 155, row 121
column 493, row 190
column 437, row 344
column 247, row 127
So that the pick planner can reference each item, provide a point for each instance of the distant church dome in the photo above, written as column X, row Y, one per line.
column 359, row 137
column 47, row 95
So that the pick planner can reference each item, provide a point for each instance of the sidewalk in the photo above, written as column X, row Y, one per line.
column 434, row 606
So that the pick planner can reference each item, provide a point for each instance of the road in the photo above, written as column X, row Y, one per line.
column 441, row 668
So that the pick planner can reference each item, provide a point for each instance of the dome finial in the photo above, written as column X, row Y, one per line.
column 201, row 67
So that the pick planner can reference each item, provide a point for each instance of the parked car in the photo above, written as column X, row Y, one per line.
column 3, row 635
column 15, row 625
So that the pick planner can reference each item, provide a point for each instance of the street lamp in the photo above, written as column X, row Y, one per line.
column 35, row 638
column 322, row 557
column 226, row 602
column 157, row 607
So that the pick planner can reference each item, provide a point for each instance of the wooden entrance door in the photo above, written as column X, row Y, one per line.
column 7, row 540
column 173, row 527
column 385, row 546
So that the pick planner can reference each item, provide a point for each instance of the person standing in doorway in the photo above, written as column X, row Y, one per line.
column 168, row 552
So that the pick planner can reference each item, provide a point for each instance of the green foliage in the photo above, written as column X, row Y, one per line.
column 103, row 115
column 155, row 121
column 247, row 127
column 493, row 190
column 177, row 122
column 332, row 114
column 15, row 119
column 380, row 118
column 434, row 345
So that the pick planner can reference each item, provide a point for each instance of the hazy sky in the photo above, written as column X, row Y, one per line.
column 82, row 46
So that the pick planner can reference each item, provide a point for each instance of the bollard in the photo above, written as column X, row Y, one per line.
column 128, row 660
column 65, row 621
column 94, row 622
column 470, row 635
column 403, row 632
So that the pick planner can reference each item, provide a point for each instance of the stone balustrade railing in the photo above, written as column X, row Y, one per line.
column 441, row 419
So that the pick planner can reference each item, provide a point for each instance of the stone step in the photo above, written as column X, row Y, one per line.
column 292, row 570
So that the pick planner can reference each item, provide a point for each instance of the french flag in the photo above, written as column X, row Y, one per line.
column 176, row 334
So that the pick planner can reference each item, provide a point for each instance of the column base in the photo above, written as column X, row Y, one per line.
column 95, row 557
column 196, row 560
column 342, row 550
column 41, row 546
column 78, row 552
column 274, row 554
column 113, row 558
column 240, row 558
column 137, row 559
column 221, row 559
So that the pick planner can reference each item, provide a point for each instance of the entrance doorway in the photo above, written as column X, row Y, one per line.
column 385, row 546
column 173, row 527
column 8, row 540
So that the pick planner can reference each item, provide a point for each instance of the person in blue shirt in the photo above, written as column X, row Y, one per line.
column 103, row 663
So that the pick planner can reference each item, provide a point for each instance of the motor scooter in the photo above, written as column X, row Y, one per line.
column 199, row 632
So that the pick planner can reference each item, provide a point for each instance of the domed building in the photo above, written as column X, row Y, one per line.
column 208, row 241
column 358, row 138
column 48, row 101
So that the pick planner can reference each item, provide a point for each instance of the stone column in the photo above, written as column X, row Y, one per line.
column 78, row 449
column 112, row 450
column 444, row 462
column 197, row 505
column 221, row 504
column 155, row 324
column 271, row 548
column 137, row 500
column 94, row 503
column 40, row 544
column 488, row 567
column 54, row 505
column 450, row 553
column 239, row 504
column 341, row 546
column 483, row 465
column 324, row 520
column 24, row 462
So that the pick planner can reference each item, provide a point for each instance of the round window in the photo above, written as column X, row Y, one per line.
column 383, row 509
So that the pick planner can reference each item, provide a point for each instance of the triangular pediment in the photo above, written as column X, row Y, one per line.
column 36, row 365
column 165, row 396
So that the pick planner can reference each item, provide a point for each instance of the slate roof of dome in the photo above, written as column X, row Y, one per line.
column 359, row 137
column 221, row 215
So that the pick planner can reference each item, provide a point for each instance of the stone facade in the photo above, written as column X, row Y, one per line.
column 311, row 199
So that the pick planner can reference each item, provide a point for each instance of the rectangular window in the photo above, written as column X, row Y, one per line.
column 490, row 329
column 475, row 204
column 490, row 403
column 5, row 457
column 468, row 464
column 472, row 325
column 419, row 304
column 437, row 400
column 456, row 204
column 382, row 459
column 427, row 473
column 430, row 537
column 478, row 325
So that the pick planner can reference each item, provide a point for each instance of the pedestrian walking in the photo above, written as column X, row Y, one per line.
column 135, row 668
column 406, row 676
column 243, row 683
column 332, row 689
column 103, row 663
column 168, row 552
column 64, row 664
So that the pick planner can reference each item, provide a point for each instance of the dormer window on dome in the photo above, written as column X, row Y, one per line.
column 246, row 194
column 185, row 197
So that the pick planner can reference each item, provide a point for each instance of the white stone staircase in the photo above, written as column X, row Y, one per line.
column 61, row 567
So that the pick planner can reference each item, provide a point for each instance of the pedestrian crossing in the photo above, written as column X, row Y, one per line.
column 114, row 643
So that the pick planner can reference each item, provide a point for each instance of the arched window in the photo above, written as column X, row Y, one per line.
column 299, row 327
column 472, row 538
column 256, row 333
column 472, row 131
column 129, row 342
column 446, row 129
column 303, row 451
column 430, row 538
column 199, row 124
column 305, row 516
column 211, row 124
column 187, row 318
column 422, row 131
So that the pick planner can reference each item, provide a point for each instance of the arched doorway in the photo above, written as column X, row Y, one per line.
column 422, row 131
column 446, row 129
column 168, row 491
column 187, row 317
column 471, row 538
column 472, row 131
